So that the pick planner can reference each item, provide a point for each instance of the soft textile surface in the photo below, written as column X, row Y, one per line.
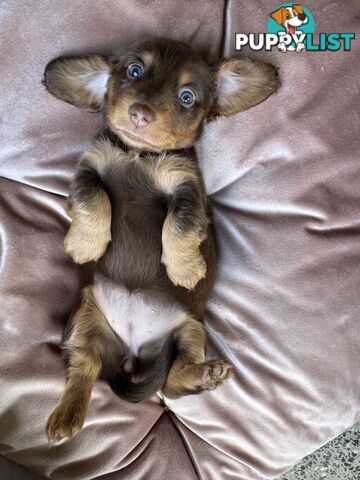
column 284, row 180
column 17, row 472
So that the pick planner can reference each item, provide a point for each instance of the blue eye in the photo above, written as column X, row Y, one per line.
column 135, row 70
column 187, row 97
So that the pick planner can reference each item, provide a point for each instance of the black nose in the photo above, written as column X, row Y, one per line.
column 141, row 115
column 302, row 16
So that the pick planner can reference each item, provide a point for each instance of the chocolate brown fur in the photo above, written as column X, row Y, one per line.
column 83, row 348
column 139, row 210
column 189, row 373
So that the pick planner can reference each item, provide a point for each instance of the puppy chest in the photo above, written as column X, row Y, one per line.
column 135, row 198
column 137, row 317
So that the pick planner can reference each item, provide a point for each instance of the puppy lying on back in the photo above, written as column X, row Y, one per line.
column 140, row 212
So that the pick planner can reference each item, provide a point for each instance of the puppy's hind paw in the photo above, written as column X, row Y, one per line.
column 63, row 423
column 214, row 373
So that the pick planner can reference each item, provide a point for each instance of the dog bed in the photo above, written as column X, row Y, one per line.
column 284, row 182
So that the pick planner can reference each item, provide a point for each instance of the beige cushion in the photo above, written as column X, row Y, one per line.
column 284, row 180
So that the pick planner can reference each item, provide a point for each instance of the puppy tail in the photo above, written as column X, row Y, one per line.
column 122, row 385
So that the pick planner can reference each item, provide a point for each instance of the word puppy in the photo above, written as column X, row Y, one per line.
column 140, row 213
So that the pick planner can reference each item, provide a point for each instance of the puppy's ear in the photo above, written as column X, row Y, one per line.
column 241, row 84
column 298, row 8
column 278, row 15
column 80, row 81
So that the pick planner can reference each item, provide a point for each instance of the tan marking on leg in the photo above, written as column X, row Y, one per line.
column 84, row 348
column 90, row 230
column 69, row 415
column 184, row 263
column 181, row 255
column 189, row 373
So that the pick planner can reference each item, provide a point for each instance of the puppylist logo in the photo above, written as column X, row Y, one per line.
column 291, row 27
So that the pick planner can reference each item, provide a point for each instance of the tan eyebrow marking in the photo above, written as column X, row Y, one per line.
column 148, row 57
column 186, row 77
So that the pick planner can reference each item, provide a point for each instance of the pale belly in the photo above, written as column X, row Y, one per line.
column 137, row 317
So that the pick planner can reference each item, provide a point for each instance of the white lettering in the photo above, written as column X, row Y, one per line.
column 271, row 39
column 241, row 39
column 286, row 39
column 298, row 38
column 252, row 41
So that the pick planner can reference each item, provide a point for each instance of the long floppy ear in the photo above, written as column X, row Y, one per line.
column 241, row 84
column 298, row 8
column 278, row 15
column 81, row 81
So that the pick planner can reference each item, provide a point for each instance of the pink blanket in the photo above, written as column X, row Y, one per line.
column 284, row 179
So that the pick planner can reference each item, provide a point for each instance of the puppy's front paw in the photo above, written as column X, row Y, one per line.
column 185, row 272
column 85, row 246
column 64, row 422
column 282, row 47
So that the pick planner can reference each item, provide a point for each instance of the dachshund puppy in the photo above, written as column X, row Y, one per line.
column 140, row 213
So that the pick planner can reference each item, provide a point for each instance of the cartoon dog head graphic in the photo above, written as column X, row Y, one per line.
column 290, row 17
